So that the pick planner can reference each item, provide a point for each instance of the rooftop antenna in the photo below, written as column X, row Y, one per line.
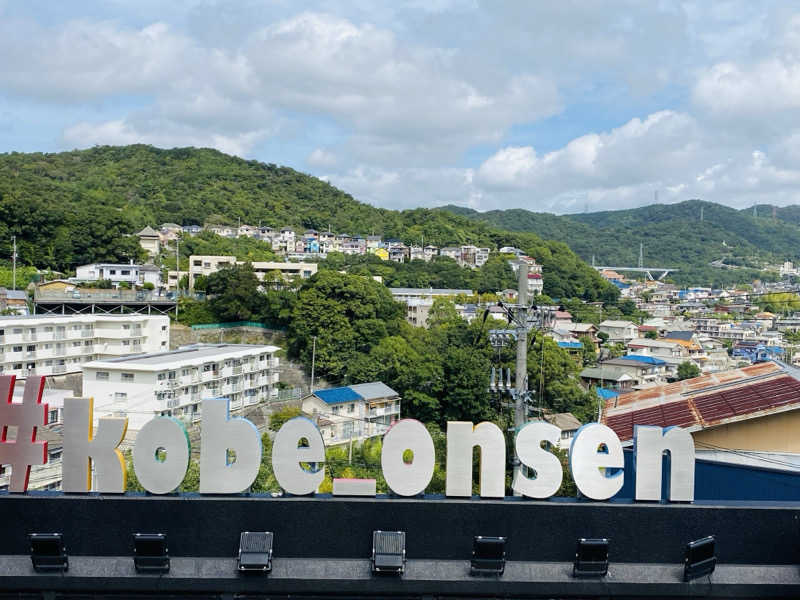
column 655, row 196
column 773, row 214
column 755, row 210
column 701, row 214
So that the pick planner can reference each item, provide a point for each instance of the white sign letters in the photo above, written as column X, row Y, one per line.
column 230, row 457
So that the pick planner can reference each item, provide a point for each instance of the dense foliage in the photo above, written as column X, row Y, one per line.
column 673, row 236
column 78, row 207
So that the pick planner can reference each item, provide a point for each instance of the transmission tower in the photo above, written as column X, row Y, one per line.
column 641, row 254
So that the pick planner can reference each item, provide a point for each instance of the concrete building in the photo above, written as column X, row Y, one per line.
column 206, row 265
column 174, row 383
column 118, row 273
column 353, row 413
column 406, row 294
column 55, row 345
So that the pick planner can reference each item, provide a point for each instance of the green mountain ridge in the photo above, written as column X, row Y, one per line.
column 673, row 235
column 78, row 207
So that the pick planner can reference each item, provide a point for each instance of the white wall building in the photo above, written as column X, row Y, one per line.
column 119, row 273
column 355, row 412
column 55, row 345
column 206, row 265
column 174, row 383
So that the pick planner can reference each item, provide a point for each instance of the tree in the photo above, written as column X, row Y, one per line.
column 651, row 335
column 234, row 294
column 347, row 315
column 687, row 370
column 278, row 418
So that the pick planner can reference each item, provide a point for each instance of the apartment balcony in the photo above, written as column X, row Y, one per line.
column 87, row 333
column 29, row 337
column 59, row 369
column 209, row 375
column 237, row 370
column 60, row 335
column 30, row 354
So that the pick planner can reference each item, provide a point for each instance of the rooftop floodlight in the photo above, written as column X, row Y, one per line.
column 388, row 552
column 151, row 554
column 488, row 555
column 700, row 558
column 48, row 552
column 255, row 551
column 591, row 558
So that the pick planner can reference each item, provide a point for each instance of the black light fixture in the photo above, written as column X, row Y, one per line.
column 591, row 558
column 700, row 558
column 151, row 554
column 388, row 552
column 488, row 555
column 255, row 551
column 48, row 552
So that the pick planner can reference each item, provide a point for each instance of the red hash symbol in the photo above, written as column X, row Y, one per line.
column 26, row 416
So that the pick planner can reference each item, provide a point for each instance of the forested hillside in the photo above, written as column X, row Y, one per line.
column 673, row 236
column 77, row 207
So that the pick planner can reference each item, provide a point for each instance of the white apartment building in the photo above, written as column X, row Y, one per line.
column 206, row 265
column 55, row 345
column 174, row 383
column 119, row 273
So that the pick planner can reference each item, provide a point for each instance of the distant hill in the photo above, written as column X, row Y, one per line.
column 673, row 236
column 77, row 207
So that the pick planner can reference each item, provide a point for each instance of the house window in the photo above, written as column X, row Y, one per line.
column 126, row 342
column 335, row 410
column 125, row 272
column 161, row 376
column 17, row 366
column 101, row 376
column 31, row 348
column 127, row 377
column 120, row 396
column 351, row 408
column 16, row 349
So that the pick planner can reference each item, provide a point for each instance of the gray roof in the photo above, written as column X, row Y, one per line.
column 686, row 336
column 148, row 232
column 15, row 294
column 610, row 374
column 374, row 390
column 564, row 421
column 195, row 351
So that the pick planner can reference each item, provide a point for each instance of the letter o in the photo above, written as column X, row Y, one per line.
column 407, row 479
column 156, row 476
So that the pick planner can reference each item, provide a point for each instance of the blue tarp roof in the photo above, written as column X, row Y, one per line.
column 650, row 360
column 570, row 345
column 606, row 394
column 337, row 395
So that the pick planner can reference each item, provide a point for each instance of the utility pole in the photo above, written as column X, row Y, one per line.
column 178, row 275
column 521, row 382
column 313, row 361
column 14, row 268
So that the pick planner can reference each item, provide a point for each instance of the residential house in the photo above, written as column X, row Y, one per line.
column 13, row 301
column 645, row 370
column 353, row 413
column 118, row 273
column 451, row 252
column 608, row 377
column 619, row 331
column 568, row 424
column 150, row 240
column 429, row 252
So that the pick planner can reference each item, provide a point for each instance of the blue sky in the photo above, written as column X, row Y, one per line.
column 557, row 107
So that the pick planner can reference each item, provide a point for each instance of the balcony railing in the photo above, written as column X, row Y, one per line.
column 60, row 369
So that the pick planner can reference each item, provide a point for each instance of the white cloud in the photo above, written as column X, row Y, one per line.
column 321, row 158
